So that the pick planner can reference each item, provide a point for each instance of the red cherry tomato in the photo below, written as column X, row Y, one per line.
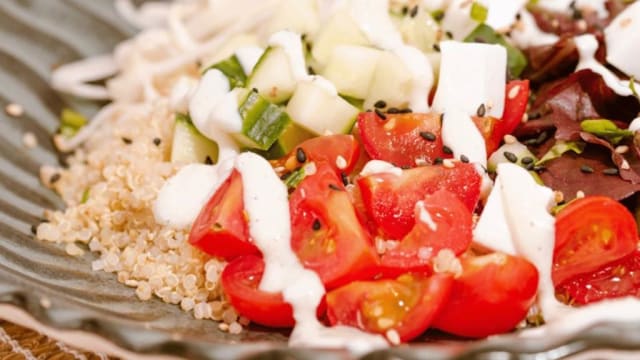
column 390, row 200
column 340, row 151
column 401, row 138
column 515, row 106
column 406, row 305
column 221, row 228
column 447, row 225
column 493, row 294
column 326, row 233
column 240, row 280
column 591, row 232
column 617, row 279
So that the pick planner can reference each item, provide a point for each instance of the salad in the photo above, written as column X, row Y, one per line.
column 362, row 171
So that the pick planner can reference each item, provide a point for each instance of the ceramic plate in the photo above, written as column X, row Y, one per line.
column 43, row 288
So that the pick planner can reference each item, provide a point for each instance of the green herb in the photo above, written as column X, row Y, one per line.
column 479, row 12
column 294, row 178
column 605, row 129
column 71, row 122
column 355, row 102
column 516, row 61
column 560, row 148
column 632, row 86
column 85, row 196
column 438, row 15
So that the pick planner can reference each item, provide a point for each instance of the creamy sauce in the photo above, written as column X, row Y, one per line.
column 372, row 17
column 491, row 230
column 527, row 33
column 564, row 6
column 182, row 197
column 502, row 13
column 621, row 38
column 587, row 46
column 180, row 94
column 380, row 167
column 267, row 206
column 526, row 211
column 291, row 43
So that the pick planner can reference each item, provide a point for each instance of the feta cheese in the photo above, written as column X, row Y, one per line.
column 471, row 75
column 622, row 37
column 492, row 230
column 460, row 133
column 502, row 13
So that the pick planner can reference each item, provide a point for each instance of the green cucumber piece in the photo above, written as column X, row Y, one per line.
column 351, row 69
column 290, row 137
column 341, row 29
column 232, row 69
column 272, row 76
column 319, row 111
column 392, row 82
column 262, row 122
column 519, row 150
column 189, row 145
column 420, row 31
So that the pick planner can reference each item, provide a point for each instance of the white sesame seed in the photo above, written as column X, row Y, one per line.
column 510, row 139
column 29, row 140
column 341, row 163
column 14, row 110
column 223, row 326
column 449, row 163
column 310, row 168
column 393, row 337
column 514, row 92
column 580, row 194
column 235, row 328
column 622, row 149
column 525, row 118
column 45, row 302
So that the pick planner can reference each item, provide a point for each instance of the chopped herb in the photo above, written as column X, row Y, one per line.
column 482, row 110
column 294, row 178
column 316, row 225
column 586, row 169
column 300, row 155
column 381, row 114
column 157, row 141
column 447, row 150
column 479, row 12
column 232, row 69
column 405, row 10
column 606, row 129
column 510, row 156
column 380, row 104
column 71, row 122
column 427, row 135
column 560, row 148
column 632, row 87
column 85, row 196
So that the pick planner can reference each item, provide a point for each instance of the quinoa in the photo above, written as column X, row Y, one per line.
column 109, row 187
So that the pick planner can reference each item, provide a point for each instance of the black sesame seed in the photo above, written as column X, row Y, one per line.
column 441, row 118
column 208, row 160
column 334, row 187
column 529, row 166
column 436, row 47
column 405, row 111
column 449, row 34
column 611, row 171
column 345, row 179
column 255, row 90
column 380, row 114
column 527, row 160
column 34, row 229
column 157, row 141
column 518, row 16
column 586, row 169
column 311, row 71
column 539, row 168
column 464, row 159
column 482, row 110
column 447, row 150
column 54, row 178
column 438, row 161
column 405, row 10
column 127, row 141
column 510, row 156
column 301, row 156
column 427, row 135
column 393, row 110
column 285, row 176
column 380, row 104
column 316, row 225
column 414, row 11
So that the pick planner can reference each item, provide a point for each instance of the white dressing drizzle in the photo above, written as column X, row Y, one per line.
column 182, row 197
column 460, row 133
column 527, row 33
column 526, row 211
column 180, row 94
column 587, row 46
column 265, row 200
column 291, row 43
column 372, row 17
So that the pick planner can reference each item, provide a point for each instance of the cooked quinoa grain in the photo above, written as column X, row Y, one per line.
column 109, row 187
